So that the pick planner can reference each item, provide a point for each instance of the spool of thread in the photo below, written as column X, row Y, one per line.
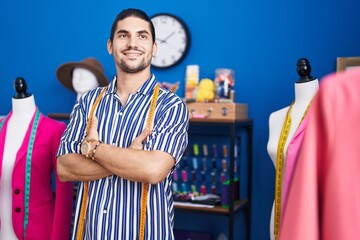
column 213, row 177
column 205, row 150
column 193, row 188
column 193, row 175
column 195, row 163
column 204, row 164
column 223, row 178
column 184, row 175
column 215, row 152
column 175, row 188
column 183, row 186
column 224, row 165
column 214, row 163
column 203, row 189
column 213, row 189
column 196, row 149
column 225, row 151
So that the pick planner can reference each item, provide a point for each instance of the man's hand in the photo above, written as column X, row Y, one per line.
column 137, row 143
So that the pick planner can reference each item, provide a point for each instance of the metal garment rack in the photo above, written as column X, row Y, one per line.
column 234, row 131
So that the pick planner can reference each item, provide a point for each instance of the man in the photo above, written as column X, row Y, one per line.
column 123, row 155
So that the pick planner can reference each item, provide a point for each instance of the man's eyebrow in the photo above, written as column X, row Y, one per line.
column 138, row 32
column 143, row 31
column 122, row 31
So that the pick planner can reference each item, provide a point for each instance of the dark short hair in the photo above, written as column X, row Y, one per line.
column 132, row 12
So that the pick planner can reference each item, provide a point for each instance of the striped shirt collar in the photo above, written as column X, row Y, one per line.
column 145, row 89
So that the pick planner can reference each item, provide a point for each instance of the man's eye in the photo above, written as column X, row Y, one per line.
column 143, row 36
column 122, row 36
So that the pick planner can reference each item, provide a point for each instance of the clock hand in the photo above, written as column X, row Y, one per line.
column 160, row 40
column 165, row 39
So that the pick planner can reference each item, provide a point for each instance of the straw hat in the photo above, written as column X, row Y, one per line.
column 64, row 72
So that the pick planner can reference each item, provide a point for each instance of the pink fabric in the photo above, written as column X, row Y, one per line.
column 324, row 198
column 49, row 217
column 291, row 157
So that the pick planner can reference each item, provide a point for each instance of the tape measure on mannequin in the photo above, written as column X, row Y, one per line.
column 84, row 200
column 278, row 175
column 145, row 186
column 279, row 167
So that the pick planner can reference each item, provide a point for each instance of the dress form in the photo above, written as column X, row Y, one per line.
column 305, row 89
column 23, row 109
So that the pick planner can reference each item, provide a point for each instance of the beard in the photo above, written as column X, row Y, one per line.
column 127, row 68
column 132, row 68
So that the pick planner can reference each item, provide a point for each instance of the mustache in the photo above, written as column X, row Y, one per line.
column 129, row 49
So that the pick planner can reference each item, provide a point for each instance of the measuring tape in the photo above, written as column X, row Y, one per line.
column 28, row 168
column 145, row 186
column 84, row 201
column 279, row 165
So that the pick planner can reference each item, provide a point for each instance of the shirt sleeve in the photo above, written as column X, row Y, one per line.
column 170, row 133
column 74, row 132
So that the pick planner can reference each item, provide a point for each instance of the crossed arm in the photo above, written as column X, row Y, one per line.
column 131, row 163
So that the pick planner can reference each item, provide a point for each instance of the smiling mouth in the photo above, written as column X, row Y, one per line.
column 132, row 54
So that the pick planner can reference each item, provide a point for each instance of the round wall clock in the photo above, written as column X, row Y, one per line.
column 173, row 40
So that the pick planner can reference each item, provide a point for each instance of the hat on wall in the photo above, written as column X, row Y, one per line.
column 64, row 72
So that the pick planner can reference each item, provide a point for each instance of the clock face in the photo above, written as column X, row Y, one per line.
column 173, row 40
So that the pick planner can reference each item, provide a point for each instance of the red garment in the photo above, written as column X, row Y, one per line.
column 49, row 217
column 324, row 195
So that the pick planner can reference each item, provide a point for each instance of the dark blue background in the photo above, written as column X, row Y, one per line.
column 260, row 40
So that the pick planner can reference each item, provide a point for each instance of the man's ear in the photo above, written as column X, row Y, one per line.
column 154, row 49
column 109, row 47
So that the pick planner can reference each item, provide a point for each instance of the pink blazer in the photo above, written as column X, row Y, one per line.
column 49, row 217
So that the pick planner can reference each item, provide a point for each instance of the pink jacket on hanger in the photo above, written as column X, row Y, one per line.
column 49, row 217
column 324, row 194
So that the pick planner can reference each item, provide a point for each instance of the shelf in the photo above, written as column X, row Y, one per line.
column 237, row 132
column 217, row 209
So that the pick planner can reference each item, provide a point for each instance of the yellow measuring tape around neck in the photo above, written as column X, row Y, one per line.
column 145, row 186
column 84, row 201
column 279, row 167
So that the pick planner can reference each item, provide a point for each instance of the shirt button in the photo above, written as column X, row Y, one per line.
column 120, row 113
column 17, row 191
column 17, row 209
column 104, row 211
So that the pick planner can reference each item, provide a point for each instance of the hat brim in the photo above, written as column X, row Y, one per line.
column 64, row 74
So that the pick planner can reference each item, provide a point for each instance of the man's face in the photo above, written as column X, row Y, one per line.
column 132, row 46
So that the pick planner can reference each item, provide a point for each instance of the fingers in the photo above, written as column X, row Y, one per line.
column 143, row 135
column 137, row 142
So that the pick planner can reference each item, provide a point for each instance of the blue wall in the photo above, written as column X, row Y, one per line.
column 260, row 40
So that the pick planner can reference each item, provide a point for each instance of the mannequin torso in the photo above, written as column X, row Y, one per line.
column 304, row 93
column 23, row 110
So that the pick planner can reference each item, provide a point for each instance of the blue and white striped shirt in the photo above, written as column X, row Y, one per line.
column 114, row 203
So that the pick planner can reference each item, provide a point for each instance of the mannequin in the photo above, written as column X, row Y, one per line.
column 323, row 202
column 15, row 133
column 23, row 105
column 83, row 81
column 306, row 88
column 80, row 77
